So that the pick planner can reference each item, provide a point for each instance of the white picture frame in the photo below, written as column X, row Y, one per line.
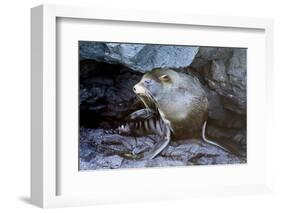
column 45, row 167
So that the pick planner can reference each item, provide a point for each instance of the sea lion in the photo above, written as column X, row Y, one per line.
column 176, row 106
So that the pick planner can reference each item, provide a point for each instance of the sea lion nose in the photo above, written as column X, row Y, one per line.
column 138, row 89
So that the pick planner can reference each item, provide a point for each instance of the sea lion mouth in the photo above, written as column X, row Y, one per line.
column 149, row 101
column 146, row 97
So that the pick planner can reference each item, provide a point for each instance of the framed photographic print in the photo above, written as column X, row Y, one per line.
column 132, row 105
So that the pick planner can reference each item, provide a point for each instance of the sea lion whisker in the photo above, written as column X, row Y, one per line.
column 152, row 99
column 145, row 104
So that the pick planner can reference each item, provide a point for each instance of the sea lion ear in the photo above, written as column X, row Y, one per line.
column 164, row 78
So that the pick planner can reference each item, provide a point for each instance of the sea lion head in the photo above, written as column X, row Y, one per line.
column 178, row 98
column 154, row 85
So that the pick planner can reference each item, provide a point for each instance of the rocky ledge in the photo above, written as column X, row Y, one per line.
column 102, row 150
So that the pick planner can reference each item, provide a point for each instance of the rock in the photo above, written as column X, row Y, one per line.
column 194, row 151
column 224, row 70
column 101, row 149
column 164, row 162
column 111, row 162
column 237, row 79
column 207, row 54
column 106, row 95
column 138, row 57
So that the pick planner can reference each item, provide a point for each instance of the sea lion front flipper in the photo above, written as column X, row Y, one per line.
column 160, row 145
column 209, row 141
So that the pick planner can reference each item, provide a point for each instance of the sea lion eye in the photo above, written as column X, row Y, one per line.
column 164, row 78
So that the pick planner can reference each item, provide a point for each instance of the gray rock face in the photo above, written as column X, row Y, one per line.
column 138, row 57
column 225, row 73
column 207, row 54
